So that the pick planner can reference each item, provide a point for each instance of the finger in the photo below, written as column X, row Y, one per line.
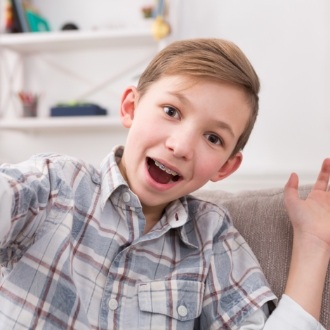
column 293, row 181
column 291, row 187
column 323, row 177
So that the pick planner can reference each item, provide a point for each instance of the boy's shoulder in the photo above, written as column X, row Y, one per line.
column 53, row 165
column 205, row 213
column 58, row 159
column 198, row 204
column 54, row 157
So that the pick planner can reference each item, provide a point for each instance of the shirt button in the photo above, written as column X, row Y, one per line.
column 126, row 197
column 113, row 304
column 182, row 310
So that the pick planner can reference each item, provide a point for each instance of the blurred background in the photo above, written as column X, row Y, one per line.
column 287, row 42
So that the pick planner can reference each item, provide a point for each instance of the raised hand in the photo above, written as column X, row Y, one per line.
column 311, row 217
column 311, row 240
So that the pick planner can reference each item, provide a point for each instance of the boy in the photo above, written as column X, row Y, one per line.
column 128, row 247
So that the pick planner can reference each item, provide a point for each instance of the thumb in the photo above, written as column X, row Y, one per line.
column 291, row 188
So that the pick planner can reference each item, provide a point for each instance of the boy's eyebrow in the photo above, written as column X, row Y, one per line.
column 225, row 126
column 219, row 123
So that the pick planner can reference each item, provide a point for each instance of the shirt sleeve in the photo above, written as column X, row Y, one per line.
column 24, row 194
column 26, row 189
column 288, row 315
column 6, row 197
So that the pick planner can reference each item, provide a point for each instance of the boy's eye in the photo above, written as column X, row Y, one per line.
column 214, row 139
column 172, row 112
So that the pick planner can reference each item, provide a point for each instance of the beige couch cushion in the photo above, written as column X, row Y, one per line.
column 261, row 218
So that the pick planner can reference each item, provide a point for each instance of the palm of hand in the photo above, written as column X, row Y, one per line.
column 310, row 218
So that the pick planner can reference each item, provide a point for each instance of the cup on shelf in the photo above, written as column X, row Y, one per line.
column 29, row 104
column 30, row 109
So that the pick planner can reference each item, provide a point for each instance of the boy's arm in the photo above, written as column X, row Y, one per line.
column 5, row 208
column 310, row 258
column 24, row 194
column 311, row 243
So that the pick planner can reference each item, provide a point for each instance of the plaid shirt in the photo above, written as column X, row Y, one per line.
column 74, row 256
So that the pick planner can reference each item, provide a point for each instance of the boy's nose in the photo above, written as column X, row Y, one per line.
column 182, row 144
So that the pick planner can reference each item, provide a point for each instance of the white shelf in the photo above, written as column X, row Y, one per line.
column 50, row 124
column 74, row 40
column 62, row 41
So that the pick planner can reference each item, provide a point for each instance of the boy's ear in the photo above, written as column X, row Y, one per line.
column 127, row 106
column 229, row 167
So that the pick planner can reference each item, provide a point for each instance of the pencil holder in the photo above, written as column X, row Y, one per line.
column 30, row 109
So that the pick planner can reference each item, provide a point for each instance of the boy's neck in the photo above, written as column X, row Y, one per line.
column 152, row 216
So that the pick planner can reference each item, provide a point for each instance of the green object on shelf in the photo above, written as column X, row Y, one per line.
column 36, row 22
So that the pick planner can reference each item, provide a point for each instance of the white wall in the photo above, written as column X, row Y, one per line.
column 288, row 44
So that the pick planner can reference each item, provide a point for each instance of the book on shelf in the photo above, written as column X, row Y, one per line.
column 77, row 109
column 20, row 20
column 26, row 18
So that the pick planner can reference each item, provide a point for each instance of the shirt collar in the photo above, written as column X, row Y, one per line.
column 176, row 213
column 111, row 178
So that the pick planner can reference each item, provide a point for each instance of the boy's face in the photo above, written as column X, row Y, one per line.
column 181, row 135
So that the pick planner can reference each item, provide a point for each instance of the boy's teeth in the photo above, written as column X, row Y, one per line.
column 164, row 168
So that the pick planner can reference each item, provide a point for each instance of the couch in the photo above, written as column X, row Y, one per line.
column 261, row 218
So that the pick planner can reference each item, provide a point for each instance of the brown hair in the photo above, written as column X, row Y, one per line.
column 207, row 58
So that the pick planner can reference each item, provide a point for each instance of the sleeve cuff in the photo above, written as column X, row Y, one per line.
column 290, row 315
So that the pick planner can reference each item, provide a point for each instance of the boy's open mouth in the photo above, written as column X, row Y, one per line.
column 160, row 173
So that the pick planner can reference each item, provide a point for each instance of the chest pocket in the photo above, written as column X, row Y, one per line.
column 178, row 299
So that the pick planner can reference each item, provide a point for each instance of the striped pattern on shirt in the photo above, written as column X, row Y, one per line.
column 74, row 256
